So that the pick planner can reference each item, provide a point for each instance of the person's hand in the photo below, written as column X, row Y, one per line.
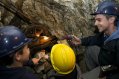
column 67, row 37
column 46, row 56
column 39, row 55
column 73, row 40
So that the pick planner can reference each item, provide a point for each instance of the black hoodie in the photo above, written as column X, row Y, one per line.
column 16, row 73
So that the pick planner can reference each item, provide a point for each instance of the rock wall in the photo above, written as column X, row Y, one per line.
column 60, row 16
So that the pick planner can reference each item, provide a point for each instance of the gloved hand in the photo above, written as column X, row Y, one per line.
column 73, row 40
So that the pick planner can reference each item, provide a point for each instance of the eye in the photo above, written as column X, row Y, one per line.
column 98, row 19
column 29, row 46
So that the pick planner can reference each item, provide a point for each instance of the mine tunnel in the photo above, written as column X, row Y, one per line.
column 56, row 22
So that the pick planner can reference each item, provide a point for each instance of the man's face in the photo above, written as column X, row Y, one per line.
column 102, row 22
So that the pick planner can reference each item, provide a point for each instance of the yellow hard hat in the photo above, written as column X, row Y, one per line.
column 62, row 58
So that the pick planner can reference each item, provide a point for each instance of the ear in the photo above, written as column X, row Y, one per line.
column 112, row 20
column 17, row 56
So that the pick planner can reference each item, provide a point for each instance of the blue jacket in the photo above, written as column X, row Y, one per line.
column 113, row 36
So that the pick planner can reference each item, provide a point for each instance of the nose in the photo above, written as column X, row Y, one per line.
column 96, row 23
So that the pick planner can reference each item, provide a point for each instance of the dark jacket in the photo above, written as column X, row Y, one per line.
column 15, row 73
column 75, row 74
column 109, row 52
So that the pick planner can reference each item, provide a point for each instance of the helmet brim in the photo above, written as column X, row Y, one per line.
column 95, row 13
column 29, row 40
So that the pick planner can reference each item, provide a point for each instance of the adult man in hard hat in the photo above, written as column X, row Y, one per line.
column 107, row 21
column 14, row 53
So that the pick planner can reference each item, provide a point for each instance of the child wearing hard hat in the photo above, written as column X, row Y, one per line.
column 14, row 53
column 64, row 63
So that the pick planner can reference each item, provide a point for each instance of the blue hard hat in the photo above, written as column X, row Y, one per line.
column 11, row 39
column 107, row 7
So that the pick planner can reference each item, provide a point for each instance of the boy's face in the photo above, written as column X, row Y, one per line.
column 25, row 55
column 102, row 22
